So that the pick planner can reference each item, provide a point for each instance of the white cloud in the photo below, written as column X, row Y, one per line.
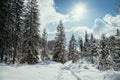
column 53, row 32
column 48, row 13
column 112, row 20
column 107, row 25
column 101, row 26
column 79, row 29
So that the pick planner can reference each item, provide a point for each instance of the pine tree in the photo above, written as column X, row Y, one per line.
column 8, row 14
column 3, row 29
column 81, row 47
column 31, row 33
column 92, row 38
column 18, row 11
column 86, row 37
column 44, row 54
column 104, row 55
column 115, row 50
column 59, row 47
column 73, row 55
column 93, row 50
column 8, row 19
column 86, row 45
column 118, row 32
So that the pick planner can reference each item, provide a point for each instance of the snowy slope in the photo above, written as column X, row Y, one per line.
column 50, row 70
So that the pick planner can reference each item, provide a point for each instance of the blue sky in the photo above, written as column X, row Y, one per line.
column 98, row 8
column 95, row 16
column 99, row 5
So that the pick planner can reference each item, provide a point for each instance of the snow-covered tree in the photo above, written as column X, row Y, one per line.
column 11, row 21
column 59, row 47
column 3, row 29
column 18, row 6
column 118, row 32
column 115, row 49
column 44, row 53
column 105, row 62
column 80, row 41
column 86, row 45
column 73, row 54
column 31, row 33
column 93, row 50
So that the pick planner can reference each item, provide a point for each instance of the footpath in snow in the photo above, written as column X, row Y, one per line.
column 49, row 70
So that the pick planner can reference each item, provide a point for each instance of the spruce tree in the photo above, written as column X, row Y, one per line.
column 3, row 29
column 17, row 29
column 73, row 55
column 81, row 47
column 115, row 50
column 31, row 33
column 44, row 53
column 118, row 32
column 8, row 22
column 86, row 45
column 59, row 47
column 93, row 50
column 104, row 55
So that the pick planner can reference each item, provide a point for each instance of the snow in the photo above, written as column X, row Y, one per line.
column 49, row 70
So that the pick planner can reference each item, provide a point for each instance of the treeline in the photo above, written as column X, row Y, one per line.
column 104, row 52
column 21, row 41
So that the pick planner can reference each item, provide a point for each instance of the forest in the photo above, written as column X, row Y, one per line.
column 22, row 41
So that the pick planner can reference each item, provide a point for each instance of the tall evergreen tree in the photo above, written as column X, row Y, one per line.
column 93, row 50
column 86, row 45
column 115, row 50
column 10, row 12
column 86, row 37
column 9, row 22
column 44, row 54
column 3, row 29
column 18, row 8
column 118, row 32
column 81, row 47
column 73, row 55
column 92, row 38
column 59, row 48
column 31, row 33
column 104, row 55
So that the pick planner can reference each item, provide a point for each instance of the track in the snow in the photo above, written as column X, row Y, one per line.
column 62, row 70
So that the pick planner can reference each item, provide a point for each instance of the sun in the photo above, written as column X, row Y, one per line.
column 79, row 10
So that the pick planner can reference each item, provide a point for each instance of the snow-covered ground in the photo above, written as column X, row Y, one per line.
column 49, row 70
